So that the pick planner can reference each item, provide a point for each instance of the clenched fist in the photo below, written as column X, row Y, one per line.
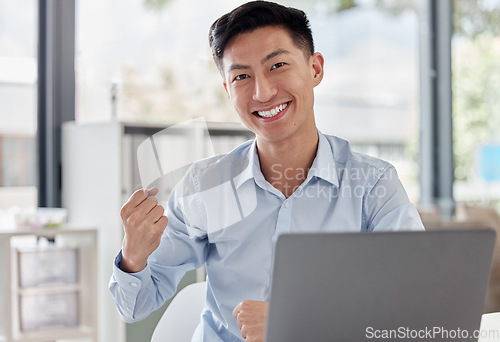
column 252, row 319
column 144, row 222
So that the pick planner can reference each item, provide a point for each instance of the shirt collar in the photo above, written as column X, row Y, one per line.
column 323, row 165
column 253, row 168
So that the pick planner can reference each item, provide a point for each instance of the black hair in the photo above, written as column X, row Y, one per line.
column 257, row 14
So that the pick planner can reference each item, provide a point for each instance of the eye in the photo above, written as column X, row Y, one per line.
column 277, row 65
column 241, row 77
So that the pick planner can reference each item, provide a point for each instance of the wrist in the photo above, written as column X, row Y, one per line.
column 130, row 265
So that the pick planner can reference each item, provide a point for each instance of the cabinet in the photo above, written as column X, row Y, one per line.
column 99, row 173
column 48, row 287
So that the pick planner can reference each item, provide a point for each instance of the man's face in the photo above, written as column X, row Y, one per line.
column 270, row 82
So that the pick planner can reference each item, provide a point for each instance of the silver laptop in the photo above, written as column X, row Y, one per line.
column 391, row 286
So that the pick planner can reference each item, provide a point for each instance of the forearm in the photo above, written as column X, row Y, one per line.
column 136, row 295
column 131, row 293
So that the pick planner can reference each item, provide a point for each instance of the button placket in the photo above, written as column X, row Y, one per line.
column 284, row 218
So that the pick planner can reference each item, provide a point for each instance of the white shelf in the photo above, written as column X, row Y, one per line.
column 62, row 333
column 85, row 240
column 44, row 290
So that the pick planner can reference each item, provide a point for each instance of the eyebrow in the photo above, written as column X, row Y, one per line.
column 262, row 61
column 274, row 54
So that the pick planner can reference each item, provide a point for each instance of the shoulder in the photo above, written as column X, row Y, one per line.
column 343, row 154
column 206, row 176
column 358, row 167
column 221, row 167
column 238, row 156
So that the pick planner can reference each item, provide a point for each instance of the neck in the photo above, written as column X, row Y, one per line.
column 285, row 164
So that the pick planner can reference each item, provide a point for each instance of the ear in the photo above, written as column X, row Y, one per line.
column 317, row 62
column 225, row 88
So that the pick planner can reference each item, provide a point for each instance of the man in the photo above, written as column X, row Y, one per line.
column 290, row 178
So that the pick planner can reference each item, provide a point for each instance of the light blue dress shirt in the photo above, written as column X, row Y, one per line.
column 226, row 215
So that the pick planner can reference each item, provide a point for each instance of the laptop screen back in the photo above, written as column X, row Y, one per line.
column 388, row 286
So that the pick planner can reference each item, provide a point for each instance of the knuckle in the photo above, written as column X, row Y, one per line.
column 134, row 219
column 139, row 192
column 158, row 209
column 244, row 330
column 152, row 200
column 123, row 211
column 245, row 304
column 162, row 222
column 126, row 210
column 137, row 196
column 157, row 231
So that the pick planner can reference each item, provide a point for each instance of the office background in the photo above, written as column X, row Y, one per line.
column 414, row 82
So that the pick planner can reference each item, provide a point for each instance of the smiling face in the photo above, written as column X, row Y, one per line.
column 270, row 81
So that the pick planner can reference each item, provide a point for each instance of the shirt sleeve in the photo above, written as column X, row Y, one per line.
column 387, row 207
column 183, row 247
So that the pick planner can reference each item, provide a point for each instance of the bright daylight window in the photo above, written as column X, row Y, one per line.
column 476, row 101
column 18, row 80
column 154, row 55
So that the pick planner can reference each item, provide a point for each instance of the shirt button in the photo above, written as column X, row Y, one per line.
column 286, row 204
column 128, row 309
column 133, row 284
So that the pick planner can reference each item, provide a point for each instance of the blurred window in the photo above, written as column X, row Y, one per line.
column 149, row 61
column 476, row 101
column 18, row 81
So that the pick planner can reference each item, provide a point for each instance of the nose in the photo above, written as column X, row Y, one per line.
column 265, row 89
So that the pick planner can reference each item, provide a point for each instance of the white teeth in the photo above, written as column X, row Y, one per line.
column 272, row 112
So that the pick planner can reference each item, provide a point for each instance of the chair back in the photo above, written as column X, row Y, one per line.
column 182, row 316
column 490, row 327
